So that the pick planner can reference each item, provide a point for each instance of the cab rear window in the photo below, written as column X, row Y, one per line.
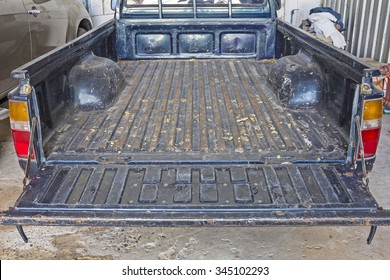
column 130, row 3
column 200, row 9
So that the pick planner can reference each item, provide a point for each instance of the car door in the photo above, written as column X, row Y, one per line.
column 14, row 42
column 48, row 22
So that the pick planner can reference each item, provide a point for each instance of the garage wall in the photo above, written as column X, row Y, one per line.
column 100, row 10
column 367, row 24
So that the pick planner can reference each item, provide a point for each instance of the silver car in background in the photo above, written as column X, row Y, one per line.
column 30, row 28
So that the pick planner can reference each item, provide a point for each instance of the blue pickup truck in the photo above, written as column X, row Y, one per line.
column 196, row 113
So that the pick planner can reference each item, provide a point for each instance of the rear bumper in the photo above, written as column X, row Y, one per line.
column 173, row 218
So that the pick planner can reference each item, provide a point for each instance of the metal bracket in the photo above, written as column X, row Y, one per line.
column 371, row 235
column 21, row 233
column 360, row 143
column 30, row 151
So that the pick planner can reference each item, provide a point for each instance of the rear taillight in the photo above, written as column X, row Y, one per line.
column 20, row 127
column 371, row 126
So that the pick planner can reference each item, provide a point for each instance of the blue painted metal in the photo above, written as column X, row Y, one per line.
column 199, row 195
column 298, row 81
column 234, row 38
column 95, row 82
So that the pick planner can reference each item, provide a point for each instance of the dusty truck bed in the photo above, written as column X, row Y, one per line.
column 196, row 143
column 206, row 110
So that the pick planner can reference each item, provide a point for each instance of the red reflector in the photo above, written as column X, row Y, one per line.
column 370, row 139
column 21, row 143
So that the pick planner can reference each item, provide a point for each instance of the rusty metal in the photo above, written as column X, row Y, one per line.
column 172, row 219
column 195, row 195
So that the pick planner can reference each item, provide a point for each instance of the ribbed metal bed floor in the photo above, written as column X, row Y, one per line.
column 195, row 143
column 184, row 109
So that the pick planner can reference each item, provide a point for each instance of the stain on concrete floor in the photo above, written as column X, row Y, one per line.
column 200, row 243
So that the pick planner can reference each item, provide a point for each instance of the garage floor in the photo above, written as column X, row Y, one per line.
column 191, row 243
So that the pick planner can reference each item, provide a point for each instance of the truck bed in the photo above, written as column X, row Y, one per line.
column 191, row 142
column 203, row 110
column 195, row 142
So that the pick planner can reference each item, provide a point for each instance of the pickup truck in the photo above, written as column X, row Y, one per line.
column 198, row 113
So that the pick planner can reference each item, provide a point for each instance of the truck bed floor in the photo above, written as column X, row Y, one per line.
column 211, row 110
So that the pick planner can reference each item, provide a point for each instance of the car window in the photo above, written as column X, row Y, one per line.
column 204, row 9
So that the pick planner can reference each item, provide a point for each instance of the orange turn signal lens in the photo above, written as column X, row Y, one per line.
column 373, row 109
column 18, row 111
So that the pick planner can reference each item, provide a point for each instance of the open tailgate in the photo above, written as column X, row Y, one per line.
column 177, row 194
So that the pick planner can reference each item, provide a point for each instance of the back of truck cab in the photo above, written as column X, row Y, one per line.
column 179, row 114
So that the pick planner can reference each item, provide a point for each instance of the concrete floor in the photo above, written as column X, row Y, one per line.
column 191, row 243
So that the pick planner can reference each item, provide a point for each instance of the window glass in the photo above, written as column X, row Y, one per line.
column 204, row 9
column 199, row 2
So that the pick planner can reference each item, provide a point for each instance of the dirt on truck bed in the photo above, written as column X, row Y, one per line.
column 189, row 110
column 195, row 142
column 187, row 135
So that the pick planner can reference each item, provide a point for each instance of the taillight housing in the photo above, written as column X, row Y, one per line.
column 20, row 127
column 371, row 126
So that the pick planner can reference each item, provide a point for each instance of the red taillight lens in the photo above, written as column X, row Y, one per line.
column 21, row 142
column 370, row 141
